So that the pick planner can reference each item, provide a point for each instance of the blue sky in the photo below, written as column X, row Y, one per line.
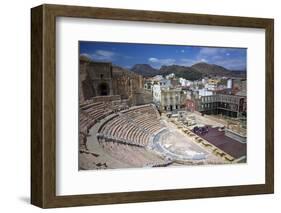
column 128, row 54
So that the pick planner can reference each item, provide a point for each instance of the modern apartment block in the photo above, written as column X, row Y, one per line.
column 229, row 105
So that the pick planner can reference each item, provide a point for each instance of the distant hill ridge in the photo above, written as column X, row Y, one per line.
column 194, row 72
column 210, row 69
column 144, row 70
column 181, row 71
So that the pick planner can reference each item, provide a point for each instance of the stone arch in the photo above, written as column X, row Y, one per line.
column 103, row 89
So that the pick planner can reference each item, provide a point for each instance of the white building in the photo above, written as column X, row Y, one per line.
column 165, row 83
column 205, row 92
column 184, row 82
column 229, row 83
column 167, row 98
column 171, row 75
column 156, row 78
column 204, row 81
column 156, row 94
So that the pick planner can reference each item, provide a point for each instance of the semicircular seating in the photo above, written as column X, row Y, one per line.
column 134, row 126
column 122, row 132
column 132, row 155
column 91, row 113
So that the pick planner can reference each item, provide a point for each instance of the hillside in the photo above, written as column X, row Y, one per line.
column 181, row 71
column 145, row 70
column 195, row 72
column 211, row 69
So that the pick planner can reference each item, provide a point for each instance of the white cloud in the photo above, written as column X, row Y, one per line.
column 208, row 55
column 160, row 62
column 153, row 60
column 86, row 55
column 103, row 55
column 222, row 57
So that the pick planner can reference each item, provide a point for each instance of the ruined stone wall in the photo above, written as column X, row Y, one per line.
column 104, row 79
column 86, row 90
column 127, row 84
column 95, row 79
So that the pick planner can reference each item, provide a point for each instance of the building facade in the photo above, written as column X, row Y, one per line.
column 229, row 105
column 168, row 98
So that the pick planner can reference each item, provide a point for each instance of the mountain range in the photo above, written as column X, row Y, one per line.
column 145, row 70
column 194, row 72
